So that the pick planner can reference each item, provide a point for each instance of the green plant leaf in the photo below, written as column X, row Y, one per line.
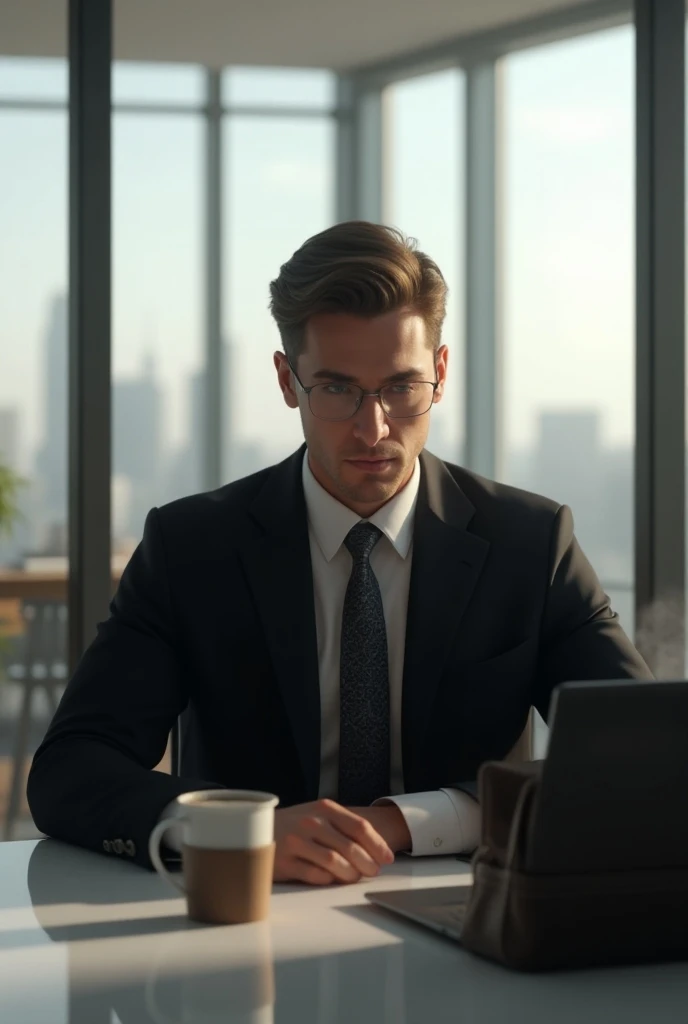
column 10, row 485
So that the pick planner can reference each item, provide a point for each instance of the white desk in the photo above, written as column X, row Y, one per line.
column 84, row 938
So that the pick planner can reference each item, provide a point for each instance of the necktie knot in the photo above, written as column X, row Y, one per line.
column 361, row 540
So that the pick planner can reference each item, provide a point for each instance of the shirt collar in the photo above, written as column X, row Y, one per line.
column 330, row 521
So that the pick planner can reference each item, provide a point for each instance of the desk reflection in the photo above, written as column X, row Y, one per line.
column 202, row 990
column 361, row 986
column 132, row 957
column 161, row 968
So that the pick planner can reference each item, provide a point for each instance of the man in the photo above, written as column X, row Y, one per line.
column 356, row 629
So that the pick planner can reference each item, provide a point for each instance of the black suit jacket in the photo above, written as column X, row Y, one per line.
column 214, row 614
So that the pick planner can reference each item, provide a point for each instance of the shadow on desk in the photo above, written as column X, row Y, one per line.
column 63, row 881
column 72, row 904
column 61, row 873
column 91, row 931
column 55, row 887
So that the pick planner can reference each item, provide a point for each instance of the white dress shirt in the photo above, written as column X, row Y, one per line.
column 442, row 821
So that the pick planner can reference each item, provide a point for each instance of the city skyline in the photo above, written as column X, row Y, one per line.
column 148, row 467
column 570, row 461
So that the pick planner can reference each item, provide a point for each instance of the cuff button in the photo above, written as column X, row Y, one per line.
column 437, row 842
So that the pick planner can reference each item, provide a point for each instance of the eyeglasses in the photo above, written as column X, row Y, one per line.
column 342, row 401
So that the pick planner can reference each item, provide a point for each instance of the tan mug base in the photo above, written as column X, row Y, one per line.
column 228, row 886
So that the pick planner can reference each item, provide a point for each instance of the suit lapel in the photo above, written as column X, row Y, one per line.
column 277, row 562
column 447, row 562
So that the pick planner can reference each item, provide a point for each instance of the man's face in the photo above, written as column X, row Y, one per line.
column 365, row 460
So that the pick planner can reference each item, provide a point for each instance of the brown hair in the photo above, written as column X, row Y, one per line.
column 360, row 268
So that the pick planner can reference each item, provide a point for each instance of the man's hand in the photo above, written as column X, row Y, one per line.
column 390, row 823
column 323, row 842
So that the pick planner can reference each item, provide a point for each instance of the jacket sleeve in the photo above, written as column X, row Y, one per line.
column 92, row 780
column 581, row 637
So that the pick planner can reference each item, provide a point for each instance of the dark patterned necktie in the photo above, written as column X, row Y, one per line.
column 363, row 680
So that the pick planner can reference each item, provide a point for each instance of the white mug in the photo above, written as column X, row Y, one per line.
column 227, row 853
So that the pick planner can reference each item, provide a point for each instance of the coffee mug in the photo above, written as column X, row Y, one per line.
column 228, row 853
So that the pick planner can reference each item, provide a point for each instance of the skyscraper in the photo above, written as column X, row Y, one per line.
column 9, row 437
column 51, row 458
column 572, row 466
column 187, row 468
column 136, row 442
column 185, row 474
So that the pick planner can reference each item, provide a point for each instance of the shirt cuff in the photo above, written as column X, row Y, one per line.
column 442, row 821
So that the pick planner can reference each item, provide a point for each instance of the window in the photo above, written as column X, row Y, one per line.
column 157, row 345
column 33, row 415
column 686, row 414
column 159, row 84
column 296, row 88
column 568, row 300
column 423, row 189
column 279, row 190
column 40, row 78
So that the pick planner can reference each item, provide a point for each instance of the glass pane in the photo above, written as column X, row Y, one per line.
column 23, row 78
column 157, row 83
column 157, row 317
column 424, row 180
column 279, row 87
column 686, row 336
column 33, row 438
column 568, row 301
column 623, row 602
column 280, row 181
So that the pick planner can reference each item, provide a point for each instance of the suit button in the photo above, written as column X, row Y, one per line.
column 107, row 846
column 119, row 846
column 129, row 848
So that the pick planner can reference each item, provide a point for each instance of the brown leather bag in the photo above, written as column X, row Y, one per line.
column 540, row 903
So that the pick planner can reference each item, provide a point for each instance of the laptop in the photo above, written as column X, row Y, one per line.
column 442, row 909
column 622, row 728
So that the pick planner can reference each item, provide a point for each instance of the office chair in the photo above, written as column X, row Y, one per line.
column 40, row 665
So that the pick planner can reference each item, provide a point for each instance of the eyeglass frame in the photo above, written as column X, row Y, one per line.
column 368, row 394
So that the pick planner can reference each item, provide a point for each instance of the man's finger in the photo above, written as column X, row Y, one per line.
column 323, row 832
column 358, row 829
column 303, row 871
column 293, row 869
column 324, row 857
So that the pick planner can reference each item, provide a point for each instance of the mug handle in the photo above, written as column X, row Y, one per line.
column 154, row 851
